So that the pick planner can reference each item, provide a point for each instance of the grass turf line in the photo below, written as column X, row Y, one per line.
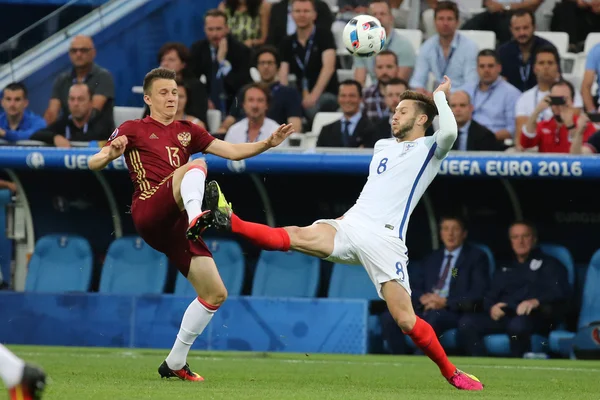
column 95, row 373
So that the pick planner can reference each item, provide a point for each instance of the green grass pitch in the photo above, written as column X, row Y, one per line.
column 95, row 373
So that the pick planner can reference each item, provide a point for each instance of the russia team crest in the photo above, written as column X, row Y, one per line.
column 184, row 138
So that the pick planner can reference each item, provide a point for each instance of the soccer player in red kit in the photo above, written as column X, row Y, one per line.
column 167, row 199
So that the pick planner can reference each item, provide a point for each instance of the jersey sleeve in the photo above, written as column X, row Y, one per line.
column 127, row 129
column 448, row 132
column 200, row 139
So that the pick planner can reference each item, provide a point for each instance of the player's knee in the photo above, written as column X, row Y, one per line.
column 217, row 296
column 199, row 163
column 405, row 319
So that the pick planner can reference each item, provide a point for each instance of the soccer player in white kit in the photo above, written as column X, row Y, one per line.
column 23, row 381
column 373, row 232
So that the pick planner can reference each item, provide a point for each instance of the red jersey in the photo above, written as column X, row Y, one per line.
column 154, row 151
column 550, row 139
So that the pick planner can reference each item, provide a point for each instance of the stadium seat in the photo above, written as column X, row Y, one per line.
column 321, row 119
column 560, row 40
column 213, row 120
column 344, row 74
column 561, row 340
column 231, row 264
column 499, row 344
column 122, row 114
column 351, row 282
column 489, row 255
column 133, row 267
column 562, row 254
column 288, row 274
column 414, row 36
column 60, row 263
column 484, row 39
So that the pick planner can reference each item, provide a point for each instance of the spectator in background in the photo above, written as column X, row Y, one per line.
column 285, row 106
column 497, row 16
column 527, row 296
column 578, row 18
column 181, row 114
column 16, row 121
column 256, row 126
column 78, row 124
column 448, row 284
column 248, row 20
column 386, row 68
column 592, row 146
column 592, row 73
column 518, row 55
column 395, row 43
column 282, row 24
column 447, row 53
column 176, row 56
column 82, row 54
column 354, row 129
column 309, row 54
column 354, row 6
column 391, row 94
column 492, row 97
column 471, row 135
column 222, row 60
column 547, row 71
column 555, row 135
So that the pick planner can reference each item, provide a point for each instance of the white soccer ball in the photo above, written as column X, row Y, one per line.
column 364, row 36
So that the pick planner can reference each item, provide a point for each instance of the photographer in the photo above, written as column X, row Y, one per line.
column 555, row 135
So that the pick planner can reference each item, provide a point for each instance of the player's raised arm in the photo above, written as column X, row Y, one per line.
column 108, row 153
column 448, row 132
column 240, row 151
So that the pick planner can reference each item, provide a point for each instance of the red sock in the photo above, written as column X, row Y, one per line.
column 260, row 235
column 425, row 338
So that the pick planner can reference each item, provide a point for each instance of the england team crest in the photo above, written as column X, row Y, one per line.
column 184, row 138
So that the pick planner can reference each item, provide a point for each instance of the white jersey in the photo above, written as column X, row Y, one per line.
column 399, row 174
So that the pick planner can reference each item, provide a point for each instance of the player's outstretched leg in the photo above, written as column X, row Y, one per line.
column 191, row 190
column 23, row 381
column 315, row 240
column 423, row 335
column 205, row 278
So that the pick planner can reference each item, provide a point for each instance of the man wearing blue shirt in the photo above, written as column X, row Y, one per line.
column 447, row 53
column 492, row 97
column 16, row 122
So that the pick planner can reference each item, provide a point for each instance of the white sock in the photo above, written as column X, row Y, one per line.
column 195, row 319
column 192, row 192
column 11, row 367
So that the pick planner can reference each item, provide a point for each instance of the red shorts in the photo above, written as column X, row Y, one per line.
column 163, row 226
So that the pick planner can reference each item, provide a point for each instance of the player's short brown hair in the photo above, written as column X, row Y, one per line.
column 157, row 73
column 423, row 104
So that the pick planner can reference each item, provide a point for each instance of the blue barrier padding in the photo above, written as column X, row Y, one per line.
column 242, row 323
column 6, row 244
column 492, row 165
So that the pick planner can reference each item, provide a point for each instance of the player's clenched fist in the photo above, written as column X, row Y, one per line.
column 280, row 135
column 444, row 86
column 117, row 146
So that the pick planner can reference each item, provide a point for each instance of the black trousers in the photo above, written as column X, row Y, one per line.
column 486, row 21
column 577, row 22
column 473, row 327
column 440, row 321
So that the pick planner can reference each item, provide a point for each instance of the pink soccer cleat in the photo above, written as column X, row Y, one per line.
column 462, row 380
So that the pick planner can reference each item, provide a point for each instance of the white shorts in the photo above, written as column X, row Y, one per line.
column 383, row 256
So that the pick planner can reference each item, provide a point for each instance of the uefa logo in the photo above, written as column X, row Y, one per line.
column 35, row 160
column 236, row 166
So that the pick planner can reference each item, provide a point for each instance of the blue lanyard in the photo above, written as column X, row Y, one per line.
column 380, row 113
column 524, row 70
column 309, row 45
column 440, row 57
column 490, row 92
column 248, row 136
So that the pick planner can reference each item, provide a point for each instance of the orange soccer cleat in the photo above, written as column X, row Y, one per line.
column 32, row 385
column 185, row 374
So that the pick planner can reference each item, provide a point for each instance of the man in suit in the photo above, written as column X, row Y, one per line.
column 449, row 283
column 471, row 135
column 354, row 129
column 224, row 61
column 281, row 23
